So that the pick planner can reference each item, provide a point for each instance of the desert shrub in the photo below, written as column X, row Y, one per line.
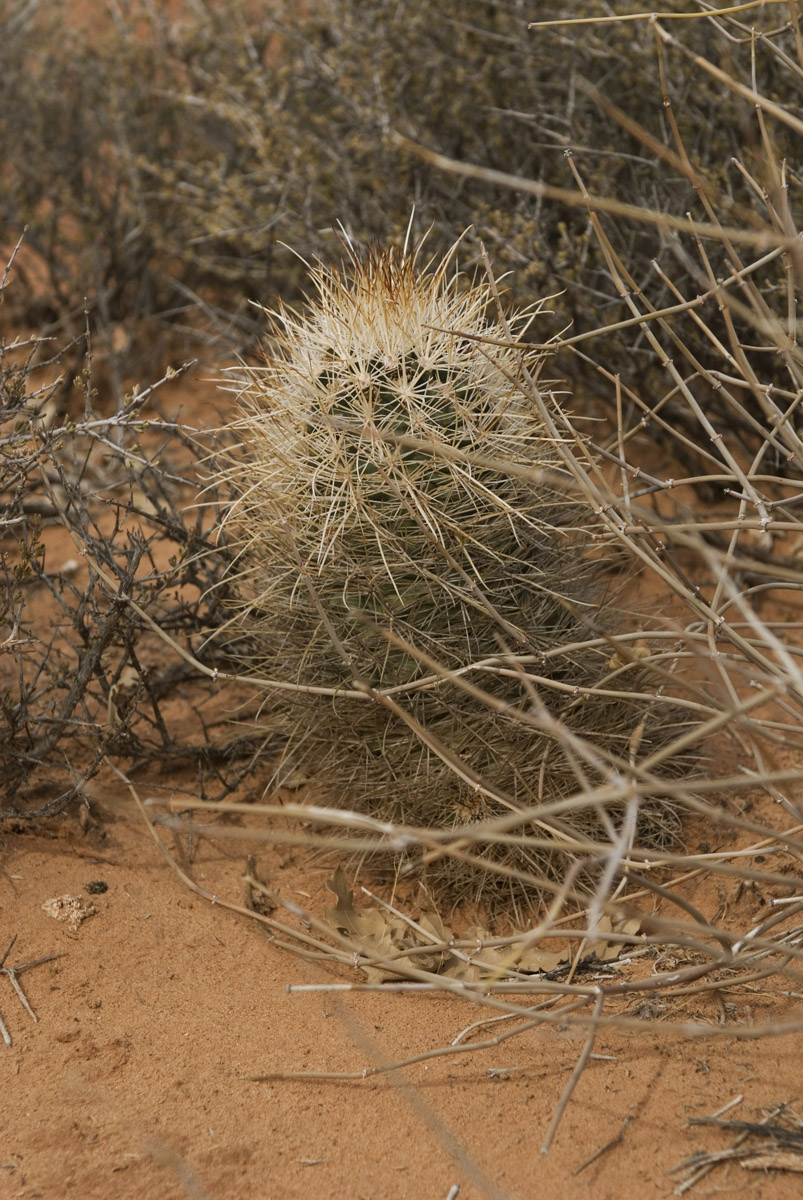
column 84, row 678
column 179, row 152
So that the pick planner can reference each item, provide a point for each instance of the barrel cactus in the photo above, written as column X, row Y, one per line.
column 403, row 530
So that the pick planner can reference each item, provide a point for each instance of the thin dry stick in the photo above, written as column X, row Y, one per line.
column 425, row 1056
column 579, row 1067
column 651, row 16
column 11, row 974
column 763, row 239
column 698, row 1169
column 775, row 110
column 615, row 1141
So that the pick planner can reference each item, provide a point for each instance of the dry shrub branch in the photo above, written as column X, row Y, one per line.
column 82, row 678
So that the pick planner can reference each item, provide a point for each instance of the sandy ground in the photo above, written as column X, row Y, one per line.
column 130, row 1084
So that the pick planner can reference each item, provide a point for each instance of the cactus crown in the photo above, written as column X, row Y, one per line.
column 361, row 433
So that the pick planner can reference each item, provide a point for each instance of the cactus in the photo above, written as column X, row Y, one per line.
column 402, row 503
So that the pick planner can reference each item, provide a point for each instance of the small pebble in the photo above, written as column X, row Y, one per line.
column 71, row 909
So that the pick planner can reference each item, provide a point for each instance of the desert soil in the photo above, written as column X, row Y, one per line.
column 130, row 1083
